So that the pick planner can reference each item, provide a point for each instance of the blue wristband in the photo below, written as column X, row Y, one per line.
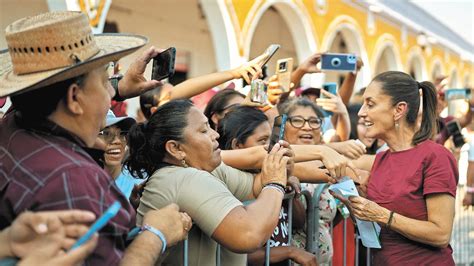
column 158, row 233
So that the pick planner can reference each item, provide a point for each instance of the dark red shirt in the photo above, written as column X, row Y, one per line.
column 43, row 167
column 400, row 181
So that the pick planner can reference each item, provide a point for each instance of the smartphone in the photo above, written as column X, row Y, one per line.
column 271, row 50
column 278, row 131
column 258, row 91
column 457, row 101
column 163, row 64
column 283, row 71
column 330, row 87
column 454, row 130
column 97, row 225
column 338, row 62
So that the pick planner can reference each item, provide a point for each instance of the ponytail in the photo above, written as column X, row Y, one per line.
column 140, row 162
column 428, row 120
column 146, row 141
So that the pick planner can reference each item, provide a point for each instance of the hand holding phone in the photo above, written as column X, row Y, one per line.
column 338, row 62
column 163, row 64
column 99, row 224
column 331, row 88
column 278, row 131
column 283, row 71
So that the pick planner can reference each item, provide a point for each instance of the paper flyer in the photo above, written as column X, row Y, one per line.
column 368, row 231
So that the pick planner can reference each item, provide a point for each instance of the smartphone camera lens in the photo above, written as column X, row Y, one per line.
column 335, row 62
column 282, row 67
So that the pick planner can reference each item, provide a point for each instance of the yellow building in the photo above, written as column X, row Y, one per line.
column 212, row 35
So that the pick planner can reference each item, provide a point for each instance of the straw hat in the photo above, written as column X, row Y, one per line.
column 56, row 46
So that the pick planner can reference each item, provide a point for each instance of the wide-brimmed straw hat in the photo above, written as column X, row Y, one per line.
column 56, row 46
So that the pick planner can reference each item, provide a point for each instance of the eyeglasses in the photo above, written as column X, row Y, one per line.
column 109, row 135
column 299, row 121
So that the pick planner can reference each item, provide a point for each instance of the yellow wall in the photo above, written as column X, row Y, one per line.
column 243, row 14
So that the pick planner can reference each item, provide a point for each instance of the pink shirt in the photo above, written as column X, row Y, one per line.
column 400, row 181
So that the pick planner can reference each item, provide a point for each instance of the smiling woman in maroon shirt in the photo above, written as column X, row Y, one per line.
column 412, row 187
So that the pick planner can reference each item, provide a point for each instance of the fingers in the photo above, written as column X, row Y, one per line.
column 77, row 255
column 144, row 59
column 171, row 207
column 75, row 230
column 73, row 216
column 328, row 94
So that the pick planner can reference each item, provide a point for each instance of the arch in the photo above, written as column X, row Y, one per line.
column 223, row 34
column 467, row 81
column 386, row 55
column 437, row 68
column 416, row 64
column 453, row 78
column 298, row 22
column 348, row 29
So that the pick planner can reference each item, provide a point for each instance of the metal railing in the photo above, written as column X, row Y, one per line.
column 462, row 240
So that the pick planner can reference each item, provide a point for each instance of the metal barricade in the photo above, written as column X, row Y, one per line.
column 288, row 196
column 462, row 237
column 312, row 231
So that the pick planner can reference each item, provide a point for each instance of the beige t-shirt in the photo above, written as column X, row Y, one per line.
column 206, row 197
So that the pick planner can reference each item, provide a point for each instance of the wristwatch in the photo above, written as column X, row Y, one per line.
column 114, row 81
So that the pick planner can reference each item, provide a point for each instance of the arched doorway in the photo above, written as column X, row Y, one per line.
column 416, row 66
column 386, row 55
column 453, row 79
column 285, row 23
column 436, row 70
column 344, row 36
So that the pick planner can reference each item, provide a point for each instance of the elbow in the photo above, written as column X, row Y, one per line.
column 442, row 241
column 249, row 242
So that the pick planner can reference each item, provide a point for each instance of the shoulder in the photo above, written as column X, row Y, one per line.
column 435, row 151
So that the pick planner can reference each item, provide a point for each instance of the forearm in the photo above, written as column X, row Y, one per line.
column 425, row 232
column 198, row 85
column 277, row 254
column 347, row 88
column 343, row 126
column 296, row 77
column 249, row 158
column 364, row 162
column 309, row 172
column 247, row 228
column 470, row 174
column 466, row 119
column 304, row 153
column 5, row 250
column 144, row 250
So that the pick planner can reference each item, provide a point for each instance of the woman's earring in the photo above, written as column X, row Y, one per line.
column 183, row 163
column 397, row 125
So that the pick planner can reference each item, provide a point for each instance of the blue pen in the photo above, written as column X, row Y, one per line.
column 101, row 222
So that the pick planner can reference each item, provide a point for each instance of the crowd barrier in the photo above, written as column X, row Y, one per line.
column 462, row 239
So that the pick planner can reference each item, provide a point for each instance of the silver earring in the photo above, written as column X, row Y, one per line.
column 397, row 126
column 183, row 163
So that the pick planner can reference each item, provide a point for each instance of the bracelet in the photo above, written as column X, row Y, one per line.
column 275, row 186
column 158, row 233
column 470, row 189
column 390, row 218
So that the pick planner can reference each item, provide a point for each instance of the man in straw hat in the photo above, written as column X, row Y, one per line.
column 55, row 73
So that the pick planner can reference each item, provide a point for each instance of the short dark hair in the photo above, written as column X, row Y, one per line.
column 40, row 103
column 239, row 124
column 401, row 87
column 219, row 102
column 147, row 140
column 290, row 106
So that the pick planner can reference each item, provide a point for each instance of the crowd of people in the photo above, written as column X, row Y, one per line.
column 208, row 175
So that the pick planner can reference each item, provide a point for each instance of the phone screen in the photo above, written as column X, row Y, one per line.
column 98, row 224
column 330, row 87
column 278, row 131
column 163, row 64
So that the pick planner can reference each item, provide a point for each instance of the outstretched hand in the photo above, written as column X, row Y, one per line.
column 134, row 82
